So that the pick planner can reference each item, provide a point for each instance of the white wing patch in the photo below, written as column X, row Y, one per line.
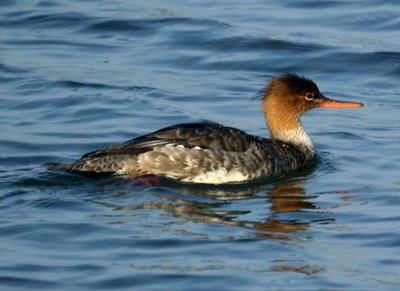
column 217, row 177
column 153, row 143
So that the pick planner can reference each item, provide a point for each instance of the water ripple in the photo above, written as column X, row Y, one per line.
column 81, row 75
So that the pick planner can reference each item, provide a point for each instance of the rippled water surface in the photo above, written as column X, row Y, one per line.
column 79, row 75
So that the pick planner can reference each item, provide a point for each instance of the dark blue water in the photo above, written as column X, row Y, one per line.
column 79, row 75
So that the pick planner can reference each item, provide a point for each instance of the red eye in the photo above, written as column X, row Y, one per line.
column 309, row 97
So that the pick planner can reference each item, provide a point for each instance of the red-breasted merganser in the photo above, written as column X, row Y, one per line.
column 214, row 154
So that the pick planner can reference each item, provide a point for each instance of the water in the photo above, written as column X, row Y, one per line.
column 80, row 75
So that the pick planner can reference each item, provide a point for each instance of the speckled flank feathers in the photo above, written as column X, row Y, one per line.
column 198, row 153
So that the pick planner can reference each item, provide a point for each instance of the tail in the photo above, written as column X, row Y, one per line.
column 67, row 168
column 57, row 167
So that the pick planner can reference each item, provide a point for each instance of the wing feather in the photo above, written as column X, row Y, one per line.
column 200, row 135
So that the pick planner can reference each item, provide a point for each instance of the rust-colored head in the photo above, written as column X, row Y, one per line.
column 303, row 93
column 288, row 96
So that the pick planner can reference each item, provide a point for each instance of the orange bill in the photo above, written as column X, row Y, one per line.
column 330, row 103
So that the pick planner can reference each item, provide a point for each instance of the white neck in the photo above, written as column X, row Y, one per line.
column 296, row 136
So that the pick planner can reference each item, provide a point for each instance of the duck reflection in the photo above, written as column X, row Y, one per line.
column 277, row 209
column 282, row 198
column 285, row 198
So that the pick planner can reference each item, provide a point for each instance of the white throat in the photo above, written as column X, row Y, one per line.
column 296, row 136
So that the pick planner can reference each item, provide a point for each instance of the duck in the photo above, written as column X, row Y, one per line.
column 211, row 153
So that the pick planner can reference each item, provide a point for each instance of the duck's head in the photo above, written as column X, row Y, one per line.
column 288, row 96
